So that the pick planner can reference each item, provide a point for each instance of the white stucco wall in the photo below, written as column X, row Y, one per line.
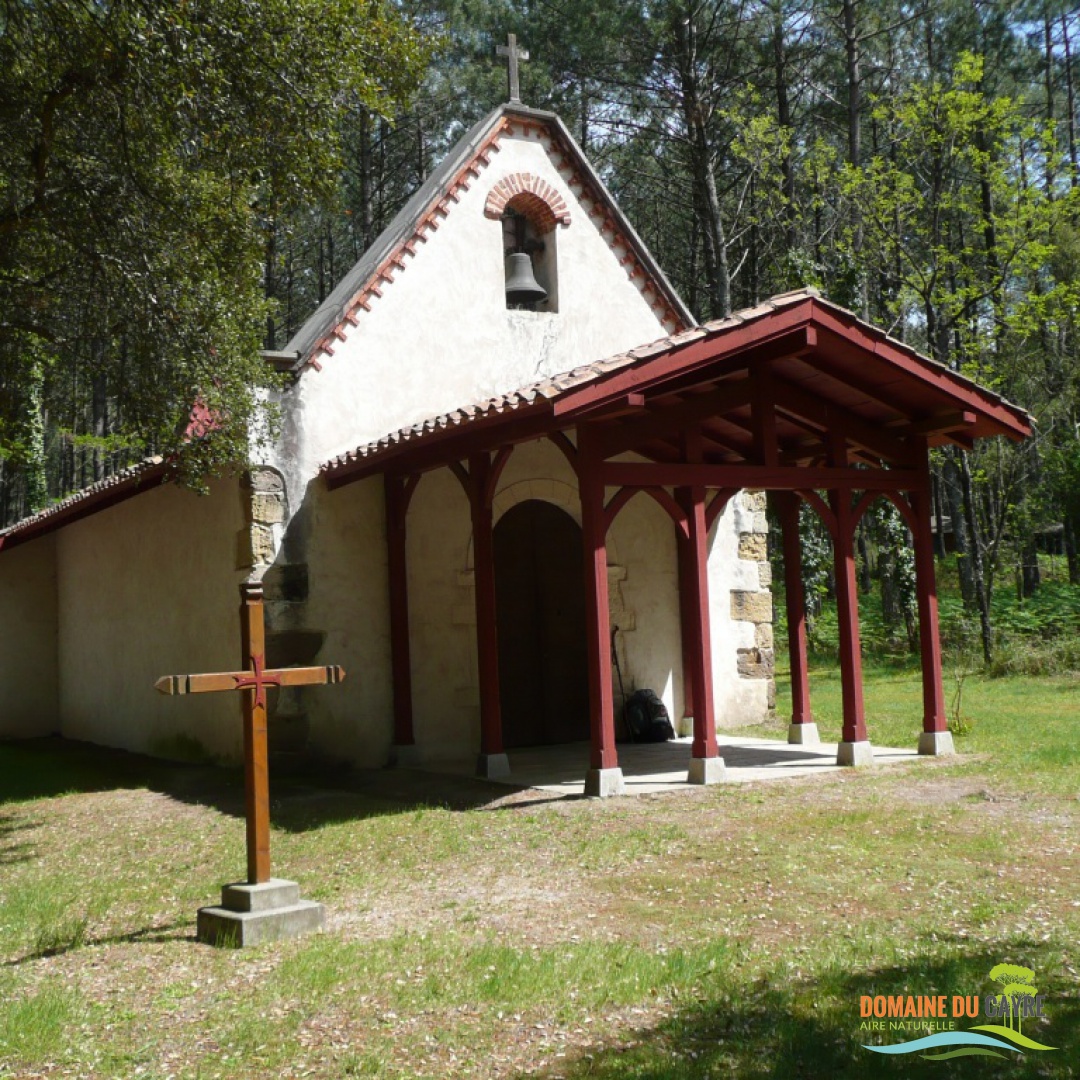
column 147, row 588
column 28, row 673
column 441, row 337
column 345, row 549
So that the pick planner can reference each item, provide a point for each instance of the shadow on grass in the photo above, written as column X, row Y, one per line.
column 12, row 849
column 148, row 935
column 811, row 1028
column 45, row 768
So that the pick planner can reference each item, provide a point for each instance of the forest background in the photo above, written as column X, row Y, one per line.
column 182, row 184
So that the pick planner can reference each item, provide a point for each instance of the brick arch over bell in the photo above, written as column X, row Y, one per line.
column 529, row 195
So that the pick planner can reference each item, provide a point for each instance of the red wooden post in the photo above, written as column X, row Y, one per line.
column 256, row 767
column 802, row 729
column 685, row 570
column 492, row 761
column 397, row 572
column 604, row 776
column 936, row 737
column 854, row 747
column 706, row 766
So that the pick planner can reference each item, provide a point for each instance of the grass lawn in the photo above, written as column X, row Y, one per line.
column 721, row 932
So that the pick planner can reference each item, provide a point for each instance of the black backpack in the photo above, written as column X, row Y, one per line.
column 647, row 719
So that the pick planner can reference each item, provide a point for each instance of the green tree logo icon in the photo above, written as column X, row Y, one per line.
column 1016, row 983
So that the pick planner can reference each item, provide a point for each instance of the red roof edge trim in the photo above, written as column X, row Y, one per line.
column 106, row 493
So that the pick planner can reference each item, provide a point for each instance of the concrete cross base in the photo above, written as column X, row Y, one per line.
column 708, row 770
column 254, row 914
column 936, row 743
column 803, row 734
column 404, row 756
column 604, row 782
column 493, row 766
column 854, row 753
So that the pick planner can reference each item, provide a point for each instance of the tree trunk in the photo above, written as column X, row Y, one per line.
column 954, row 497
column 978, row 574
column 1069, row 539
column 1070, row 127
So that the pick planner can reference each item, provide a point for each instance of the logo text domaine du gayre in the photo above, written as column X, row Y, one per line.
column 938, row 1014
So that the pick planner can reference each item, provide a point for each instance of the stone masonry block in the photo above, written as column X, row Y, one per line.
column 262, row 544
column 756, row 663
column 765, row 574
column 754, row 500
column 267, row 509
column 753, row 546
column 755, row 607
column 761, row 522
column 265, row 480
column 763, row 635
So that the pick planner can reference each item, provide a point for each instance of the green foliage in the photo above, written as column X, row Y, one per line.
column 144, row 148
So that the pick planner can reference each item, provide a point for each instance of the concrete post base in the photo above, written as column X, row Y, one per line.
column 709, row 770
column 254, row 914
column 492, row 766
column 936, row 743
column 854, row 753
column 803, row 734
column 403, row 756
column 604, row 782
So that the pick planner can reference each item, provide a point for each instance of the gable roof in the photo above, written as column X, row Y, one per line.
column 827, row 354
column 422, row 214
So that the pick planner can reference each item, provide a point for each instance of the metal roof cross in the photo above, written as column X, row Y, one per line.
column 513, row 55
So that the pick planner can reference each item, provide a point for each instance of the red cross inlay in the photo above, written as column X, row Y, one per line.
column 260, row 679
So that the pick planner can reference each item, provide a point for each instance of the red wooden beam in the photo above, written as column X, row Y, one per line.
column 487, row 638
column 569, row 450
column 824, row 415
column 847, row 334
column 788, row 506
column 787, row 329
column 397, row 495
column 695, row 625
column 760, row 477
column 437, row 448
column 671, row 419
column 944, row 422
column 934, row 718
column 603, row 754
column 847, row 609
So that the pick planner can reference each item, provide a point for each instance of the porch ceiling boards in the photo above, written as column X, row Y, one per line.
column 770, row 386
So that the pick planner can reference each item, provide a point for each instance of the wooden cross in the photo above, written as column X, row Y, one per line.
column 514, row 54
column 255, row 679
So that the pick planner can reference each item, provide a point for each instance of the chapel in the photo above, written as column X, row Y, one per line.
column 508, row 455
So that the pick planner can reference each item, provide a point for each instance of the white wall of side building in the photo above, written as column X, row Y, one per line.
column 147, row 588
column 28, row 646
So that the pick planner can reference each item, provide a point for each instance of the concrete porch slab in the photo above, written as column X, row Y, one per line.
column 653, row 767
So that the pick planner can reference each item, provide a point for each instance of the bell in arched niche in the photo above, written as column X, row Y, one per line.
column 529, row 264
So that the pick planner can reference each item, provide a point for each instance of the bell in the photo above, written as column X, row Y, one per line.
column 521, row 286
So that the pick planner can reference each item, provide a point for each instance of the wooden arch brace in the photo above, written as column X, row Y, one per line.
column 664, row 498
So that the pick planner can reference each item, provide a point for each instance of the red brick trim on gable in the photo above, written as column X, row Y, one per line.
column 591, row 198
column 533, row 197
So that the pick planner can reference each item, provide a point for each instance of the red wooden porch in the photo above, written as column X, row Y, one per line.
column 796, row 397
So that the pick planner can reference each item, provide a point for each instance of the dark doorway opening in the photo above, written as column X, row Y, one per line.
column 540, row 612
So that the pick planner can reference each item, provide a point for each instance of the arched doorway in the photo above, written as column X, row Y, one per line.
column 540, row 612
